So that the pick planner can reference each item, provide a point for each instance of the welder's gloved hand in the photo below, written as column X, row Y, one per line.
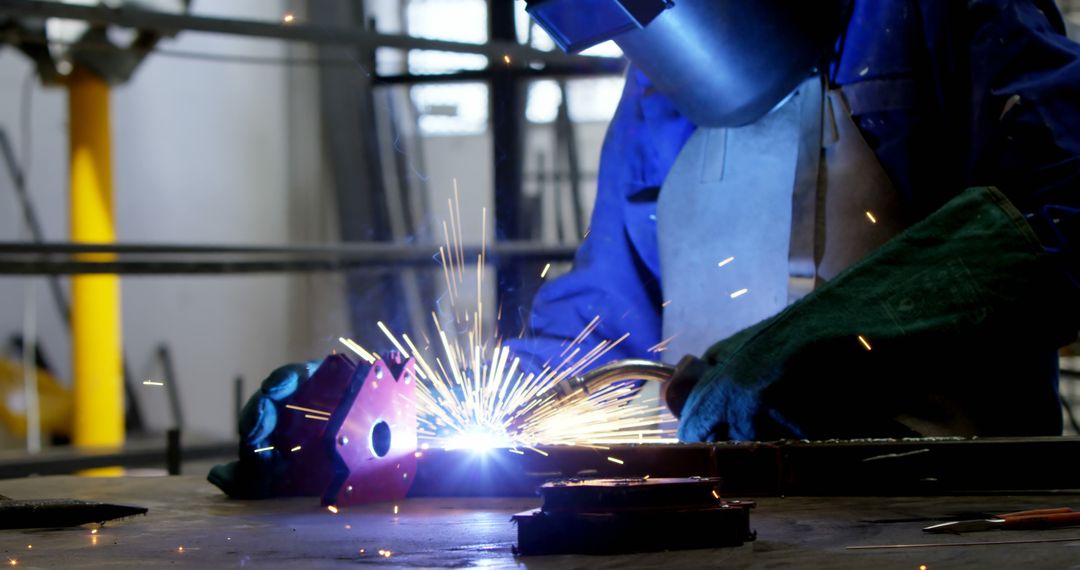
column 252, row 476
column 959, row 319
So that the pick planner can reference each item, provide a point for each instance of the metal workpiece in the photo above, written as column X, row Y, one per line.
column 611, row 516
column 58, row 513
column 927, row 467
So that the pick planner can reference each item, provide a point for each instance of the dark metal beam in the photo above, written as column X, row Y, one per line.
column 507, row 125
column 350, row 141
column 374, row 251
column 921, row 467
column 68, row 460
column 147, row 259
column 169, row 24
column 616, row 67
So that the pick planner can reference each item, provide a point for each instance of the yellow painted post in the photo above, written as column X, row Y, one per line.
column 95, row 299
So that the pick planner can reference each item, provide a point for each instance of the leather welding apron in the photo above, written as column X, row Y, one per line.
column 751, row 219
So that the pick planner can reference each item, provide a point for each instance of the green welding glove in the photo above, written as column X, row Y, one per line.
column 252, row 477
column 948, row 329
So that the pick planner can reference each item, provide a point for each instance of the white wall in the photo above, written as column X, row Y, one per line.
column 209, row 152
column 201, row 154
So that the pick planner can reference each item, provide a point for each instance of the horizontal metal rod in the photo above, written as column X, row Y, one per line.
column 66, row 460
column 64, row 258
column 169, row 24
column 616, row 67
column 371, row 249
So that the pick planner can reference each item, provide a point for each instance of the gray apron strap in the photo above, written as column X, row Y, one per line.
column 843, row 203
column 806, row 225
column 862, row 209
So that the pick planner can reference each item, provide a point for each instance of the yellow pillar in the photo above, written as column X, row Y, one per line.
column 95, row 299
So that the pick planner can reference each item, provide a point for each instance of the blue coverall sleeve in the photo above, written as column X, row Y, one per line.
column 616, row 270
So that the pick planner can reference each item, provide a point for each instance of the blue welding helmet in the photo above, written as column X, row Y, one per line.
column 724, row 63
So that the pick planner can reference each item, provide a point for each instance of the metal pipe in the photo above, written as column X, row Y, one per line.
column 95, row 307
column 624, row 370
column 366, row 250
column 30, row 369
column 169, row 24
column 146, row 259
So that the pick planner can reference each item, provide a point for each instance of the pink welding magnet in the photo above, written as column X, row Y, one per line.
column 372, row 436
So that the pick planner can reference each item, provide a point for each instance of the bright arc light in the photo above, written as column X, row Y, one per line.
column 479, row 441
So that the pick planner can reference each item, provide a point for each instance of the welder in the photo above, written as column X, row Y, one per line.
column 860, row 215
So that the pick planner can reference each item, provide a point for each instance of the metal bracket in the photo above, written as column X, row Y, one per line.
column 349, row 433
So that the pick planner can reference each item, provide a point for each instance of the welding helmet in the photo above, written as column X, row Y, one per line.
column 724, row 63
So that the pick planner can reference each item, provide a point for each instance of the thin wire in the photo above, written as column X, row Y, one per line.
column 26, row 121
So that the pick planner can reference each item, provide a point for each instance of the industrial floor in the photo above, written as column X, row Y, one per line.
column 191, row 524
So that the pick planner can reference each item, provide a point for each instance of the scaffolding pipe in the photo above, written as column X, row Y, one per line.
column 95, row 306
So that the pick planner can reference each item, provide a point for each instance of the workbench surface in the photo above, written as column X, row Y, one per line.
column 191, row 524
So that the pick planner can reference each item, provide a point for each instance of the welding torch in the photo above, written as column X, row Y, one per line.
column 676, row 382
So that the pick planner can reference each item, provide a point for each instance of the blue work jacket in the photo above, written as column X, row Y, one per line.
column 949, row 95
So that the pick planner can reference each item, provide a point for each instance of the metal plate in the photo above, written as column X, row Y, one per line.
column 308, row 470
column 374, row 437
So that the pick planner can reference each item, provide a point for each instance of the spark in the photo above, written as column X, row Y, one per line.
column 314, row 417
column 295, row 449
column 359, row 350
column 93, row 531
column 666, row 303
column 264, row 449
column 180, row 549
column 506, row 58
column 288, row 18
column 13, row 562
column 153, row 383
column 922, row 566
column 739, row 293
column 865, row 344
column 308, row 410
column 332, row 509
column 870, row 215
column 662, row 345
column 395, row 509
column 726, row 261
column 401, row 349
column 418, row 454
column 473, row 392
column 616, row 460
column 646, row 477
column 715, row 494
